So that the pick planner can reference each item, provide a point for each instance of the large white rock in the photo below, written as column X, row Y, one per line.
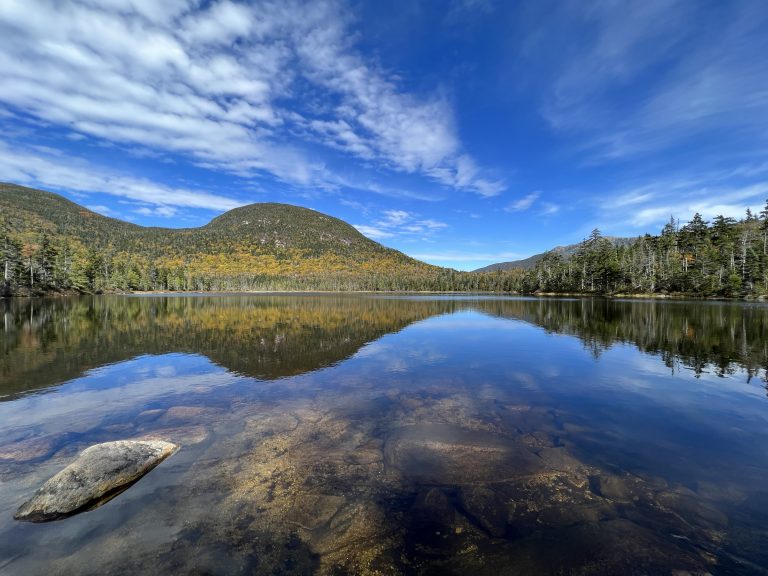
column 100, row 473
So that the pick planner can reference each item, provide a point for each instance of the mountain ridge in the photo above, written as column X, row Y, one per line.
column 49, row 244
column 285, row 225
column 262, row 245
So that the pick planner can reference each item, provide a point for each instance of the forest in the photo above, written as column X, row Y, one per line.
column 50, row 245
column 722, row 258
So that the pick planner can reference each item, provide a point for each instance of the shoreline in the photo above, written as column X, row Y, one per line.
column 543, row 295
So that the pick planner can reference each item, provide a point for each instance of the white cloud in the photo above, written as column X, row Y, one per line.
column 649, row 206
column 523, row 203
column 400, row 223
column 466, row 174
column 648, row 76
column 48, row 169
column 103, row 210
column 549, row 208
column 373, row 232
column 368, row 185
column 162, row 211
column 232, row 86
column 395, row 217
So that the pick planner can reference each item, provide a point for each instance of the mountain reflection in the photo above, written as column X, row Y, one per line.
column 46, row 342
column 49, row 341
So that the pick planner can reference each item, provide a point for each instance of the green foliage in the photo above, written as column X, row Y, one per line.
column 49, row 244
column 726, row 259
column 52, row 244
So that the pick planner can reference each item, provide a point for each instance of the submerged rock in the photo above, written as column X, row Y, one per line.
column 100, row 473
column 433, row 512
column 486, row 508
column 29, row 449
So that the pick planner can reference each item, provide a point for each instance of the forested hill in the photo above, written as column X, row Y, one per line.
column 267, row 227
column 51, row 243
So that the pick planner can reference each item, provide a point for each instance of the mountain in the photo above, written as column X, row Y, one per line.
column 259, row 246
column 565, row 251
column 50, row 244
column 268, row 228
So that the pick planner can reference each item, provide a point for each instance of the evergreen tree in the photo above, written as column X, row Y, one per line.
column 46, row 256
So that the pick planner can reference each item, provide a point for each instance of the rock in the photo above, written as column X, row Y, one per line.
column 100, row 473
column 29, row 449
column 312, row 510
column 186, row 412
column 185, row 435
column 432, row 511
column 149, row 415
column 272, row 424
column 438, row 454
column 486, row 508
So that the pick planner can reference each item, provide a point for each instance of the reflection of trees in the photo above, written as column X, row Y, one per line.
column 699, row 336
column 48, row 341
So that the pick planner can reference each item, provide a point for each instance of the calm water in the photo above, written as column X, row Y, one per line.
column 393, row 435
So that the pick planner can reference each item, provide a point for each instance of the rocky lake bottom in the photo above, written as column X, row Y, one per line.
column 392, row 435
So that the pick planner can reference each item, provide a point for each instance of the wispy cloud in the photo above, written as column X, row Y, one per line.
column 161, row 211
column 644, row 78
column 523, row 203
column 400, row 223
column 103, row 210
column 648, row 206
column 373, row 232
column 231, row 86
column 549, row 208
column 35, row 166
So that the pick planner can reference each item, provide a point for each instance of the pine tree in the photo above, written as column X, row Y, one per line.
column 11, row 255
column 46, row 256
column 764, row 227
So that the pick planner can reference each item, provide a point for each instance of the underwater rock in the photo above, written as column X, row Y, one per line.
column 186, row 435
column 100, row 473
column 312, row 510
column 486, row 508
column 187, row 412
column 29, row 449
column 149, row 415
column 438, row 454
column 433, row 511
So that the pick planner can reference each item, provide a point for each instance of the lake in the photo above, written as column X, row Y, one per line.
column 375, row 434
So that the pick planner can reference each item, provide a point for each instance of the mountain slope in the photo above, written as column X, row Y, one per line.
column 264, row 227
column 24, row 209
column 237, row 250
column 565, row 251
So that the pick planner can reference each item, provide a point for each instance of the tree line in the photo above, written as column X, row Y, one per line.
column 723, row 258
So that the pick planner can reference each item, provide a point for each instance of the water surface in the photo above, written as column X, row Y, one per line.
column 353, row 434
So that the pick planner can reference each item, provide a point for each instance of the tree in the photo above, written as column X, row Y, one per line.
column 764, row 226
column 11, row 256
column 93, row 267
column 46, row 256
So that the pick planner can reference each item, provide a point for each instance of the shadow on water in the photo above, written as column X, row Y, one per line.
column 336, row 441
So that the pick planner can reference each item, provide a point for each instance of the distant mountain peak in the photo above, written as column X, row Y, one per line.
column 566, row 251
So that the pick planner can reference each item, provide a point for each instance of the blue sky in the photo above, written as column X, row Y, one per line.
column 461, row 132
